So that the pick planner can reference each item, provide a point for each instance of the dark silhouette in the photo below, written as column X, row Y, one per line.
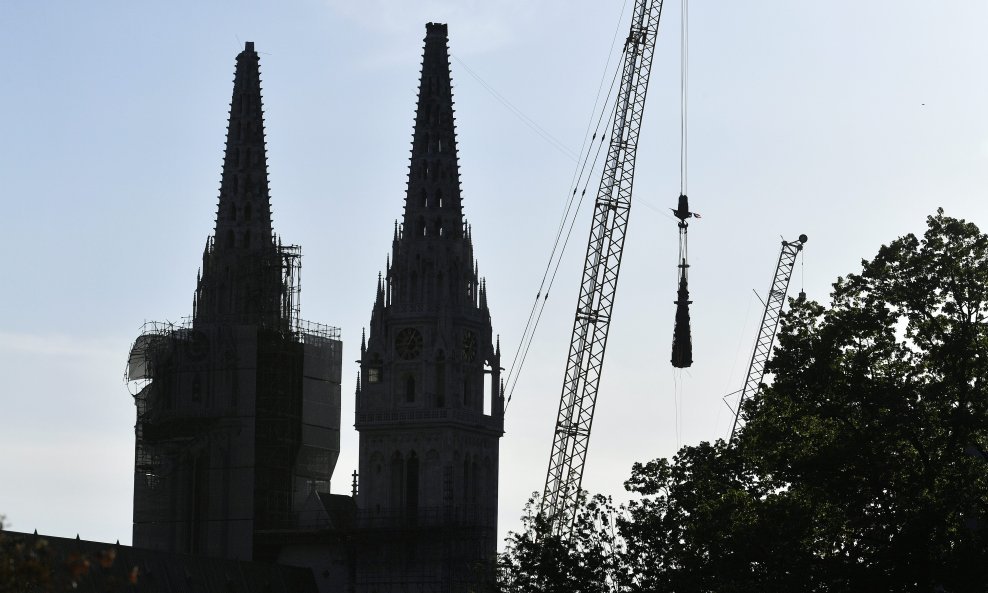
column 238, row 407
column 682, row 341
column 429, row 401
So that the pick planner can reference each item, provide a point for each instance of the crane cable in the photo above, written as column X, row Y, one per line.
column 684, row 58
column 581, row 174
column 538, row 306
column 683, row 258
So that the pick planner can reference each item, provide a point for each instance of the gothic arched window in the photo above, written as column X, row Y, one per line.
column 374, row 369
column 412, row 483
column 247, row 211
column 440, row 379
column 439, row 198
column 424, row 197
column 409, row 388
column 397, row 480
column 474, row 490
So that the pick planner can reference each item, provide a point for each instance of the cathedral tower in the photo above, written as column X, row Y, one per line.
column 238, row 407
column 429, row 405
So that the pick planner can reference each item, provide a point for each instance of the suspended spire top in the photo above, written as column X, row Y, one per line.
column 243, row 217
column 432, row 201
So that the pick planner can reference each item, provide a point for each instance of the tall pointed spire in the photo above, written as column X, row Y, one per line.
column 243, row 217
column 241, row 273
column 428, row 364
column 432, row 202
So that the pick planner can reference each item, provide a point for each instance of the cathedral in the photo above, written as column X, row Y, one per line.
column 238, row 407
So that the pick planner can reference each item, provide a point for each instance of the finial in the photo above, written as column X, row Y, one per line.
column 357, row 390
column 497, row 347
column 363, row 341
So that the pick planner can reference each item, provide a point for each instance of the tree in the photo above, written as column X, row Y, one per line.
column 878, row 416
column 586, row 562
column 33, row 564
column 863, row 466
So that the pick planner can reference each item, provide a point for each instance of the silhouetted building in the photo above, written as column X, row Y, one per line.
column 429, row 403
column 238, row 408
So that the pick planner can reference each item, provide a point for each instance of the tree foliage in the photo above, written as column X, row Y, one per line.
column 863, row 466
column 536, row 560
column 32, row 564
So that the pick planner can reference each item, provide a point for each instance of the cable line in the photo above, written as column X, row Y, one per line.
column 581, row 176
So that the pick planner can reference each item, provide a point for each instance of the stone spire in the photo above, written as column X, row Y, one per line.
column 432, row 202
column 241, row 279
column 243, row 217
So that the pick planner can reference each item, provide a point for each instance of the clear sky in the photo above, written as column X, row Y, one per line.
column 849, row 121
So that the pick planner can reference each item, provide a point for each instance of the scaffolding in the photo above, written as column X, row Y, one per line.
column 201, row 386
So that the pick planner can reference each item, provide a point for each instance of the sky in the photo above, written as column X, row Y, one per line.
column 848, row 121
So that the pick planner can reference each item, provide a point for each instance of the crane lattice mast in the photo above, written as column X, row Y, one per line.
column 770, row 323
column 600, row 275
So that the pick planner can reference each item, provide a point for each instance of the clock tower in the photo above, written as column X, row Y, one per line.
column 429, row 404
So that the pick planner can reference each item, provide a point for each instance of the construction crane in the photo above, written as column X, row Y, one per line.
column 600, row 276
column 770, row 323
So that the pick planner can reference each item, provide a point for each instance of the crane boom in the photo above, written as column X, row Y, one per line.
column 600, row 275
column 770, row 323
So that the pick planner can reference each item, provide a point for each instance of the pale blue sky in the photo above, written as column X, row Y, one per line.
column 848, row 121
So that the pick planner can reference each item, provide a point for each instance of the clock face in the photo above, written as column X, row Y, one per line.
column 469, row 346
column 408, row 343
